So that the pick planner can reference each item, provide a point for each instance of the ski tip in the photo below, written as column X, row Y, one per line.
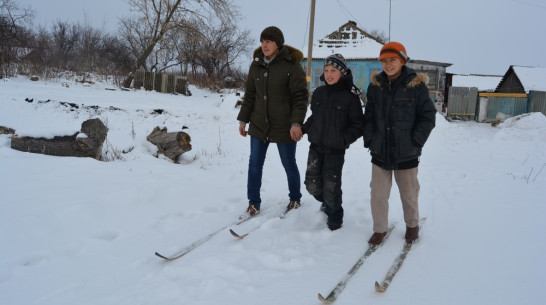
column 159, row 255
column 378, row 287
column 235, row 234
column 325, row 300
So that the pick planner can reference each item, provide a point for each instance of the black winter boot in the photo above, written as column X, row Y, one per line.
column 333, row 227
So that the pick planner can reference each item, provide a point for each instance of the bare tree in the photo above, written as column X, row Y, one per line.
column 379, row 35
column 165, row 55
column 196, row 36
column 214, row 54
column 114, row 57
column 13, row 20
column 88, row 48
column 155, row 18
column 65, row 38
column 38, row 59
column 217, row 47
column 187, row 46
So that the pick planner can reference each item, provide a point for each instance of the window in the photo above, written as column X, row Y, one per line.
column 432, row 78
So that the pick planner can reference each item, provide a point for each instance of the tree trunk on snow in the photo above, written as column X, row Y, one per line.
column 73, row 146
column 170, row 144
column 6, row 130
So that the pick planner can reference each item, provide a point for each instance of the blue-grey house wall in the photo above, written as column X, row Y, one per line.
column 362, row 71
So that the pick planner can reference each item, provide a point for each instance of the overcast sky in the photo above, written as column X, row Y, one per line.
column 476, row 36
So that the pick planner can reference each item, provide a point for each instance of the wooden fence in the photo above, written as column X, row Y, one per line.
column 161, row 82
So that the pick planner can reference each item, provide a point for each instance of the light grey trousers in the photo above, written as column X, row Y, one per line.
column 381, row 185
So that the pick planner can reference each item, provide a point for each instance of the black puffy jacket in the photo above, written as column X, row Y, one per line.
column 399, row 118
column 336, row 120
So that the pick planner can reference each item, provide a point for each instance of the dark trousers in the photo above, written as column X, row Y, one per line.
column 323, row 181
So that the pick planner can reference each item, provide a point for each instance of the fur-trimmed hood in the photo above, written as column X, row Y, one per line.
column 412, row 78
column 286, row 52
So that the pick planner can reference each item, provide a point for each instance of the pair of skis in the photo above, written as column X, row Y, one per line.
column 188, row 249
column 334, row 294
column 379, row 287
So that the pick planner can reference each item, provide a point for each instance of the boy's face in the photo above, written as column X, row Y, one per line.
column 269, row 48
column 392, row 66
column 332, row 75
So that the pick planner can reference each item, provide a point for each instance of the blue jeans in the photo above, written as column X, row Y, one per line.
column 287, row 152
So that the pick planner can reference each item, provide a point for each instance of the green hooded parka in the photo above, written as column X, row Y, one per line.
column 276, row 96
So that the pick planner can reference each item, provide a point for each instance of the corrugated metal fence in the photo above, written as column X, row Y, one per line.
column 161, row 82
column 504, row 105
column 462, row 102
column 537, row 101
column 468, row 104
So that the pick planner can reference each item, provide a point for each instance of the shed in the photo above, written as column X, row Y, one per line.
column 530, row 83
column 519, row 79
column 462, row 94
column 361, row 50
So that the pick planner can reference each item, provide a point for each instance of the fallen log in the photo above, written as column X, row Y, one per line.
column 170, row 144
column 86, row 143
column 6, row 130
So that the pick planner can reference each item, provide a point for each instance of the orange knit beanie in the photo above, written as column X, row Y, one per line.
column 396, row 49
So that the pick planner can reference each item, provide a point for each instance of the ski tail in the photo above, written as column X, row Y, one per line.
column 396, row 265
column 334, row 294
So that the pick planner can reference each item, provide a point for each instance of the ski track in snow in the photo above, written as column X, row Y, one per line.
column 80, row 231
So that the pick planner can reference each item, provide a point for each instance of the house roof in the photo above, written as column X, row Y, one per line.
column 353, row 43
column 482, row 82
column 531, row 78
column 350, row 41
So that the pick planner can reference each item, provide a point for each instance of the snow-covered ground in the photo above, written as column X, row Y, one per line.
column 82, row 231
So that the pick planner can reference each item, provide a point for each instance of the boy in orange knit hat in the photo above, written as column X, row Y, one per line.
column 399, row 117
